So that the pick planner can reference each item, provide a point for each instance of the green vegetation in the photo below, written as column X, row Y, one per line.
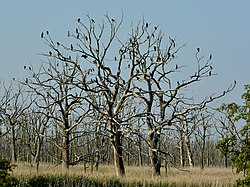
column 5, row 178
column 237, row 143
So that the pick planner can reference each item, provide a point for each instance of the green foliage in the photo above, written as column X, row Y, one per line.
column 5, row 178
column 237, row 143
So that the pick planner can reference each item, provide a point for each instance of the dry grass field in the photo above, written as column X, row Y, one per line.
column 208, row 177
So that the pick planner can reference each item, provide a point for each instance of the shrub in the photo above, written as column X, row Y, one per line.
column 5, row 178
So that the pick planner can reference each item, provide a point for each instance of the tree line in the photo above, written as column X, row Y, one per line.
column 108, row 98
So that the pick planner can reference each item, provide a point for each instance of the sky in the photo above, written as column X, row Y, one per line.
column 217, row 27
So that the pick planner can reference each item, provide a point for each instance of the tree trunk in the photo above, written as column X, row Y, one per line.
column 181, row 150
column 203, row 147
column 65, row 153
column 97, row 159
column 118, row 158
column 13, row 144
column 139, row 152
column 189, row 152
column 153, row 153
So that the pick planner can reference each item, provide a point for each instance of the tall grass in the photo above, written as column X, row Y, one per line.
column 135, row 176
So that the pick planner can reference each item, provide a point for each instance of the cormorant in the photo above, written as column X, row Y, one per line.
column 85, row 56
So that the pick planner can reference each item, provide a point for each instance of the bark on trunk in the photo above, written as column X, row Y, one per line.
column 13, row 144
column 153, row 153
column 118, row 158
column 189, row 152
column 65, row 153
column 181, row 150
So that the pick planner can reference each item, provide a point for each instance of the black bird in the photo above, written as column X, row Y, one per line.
column 154, row 48
column 78, row 20
column 76, row 30
column 115, row 58
column 85, row 56
column 29, row 68
column 210, row 57
column 68, row 33
column 26, row 81
column 146, row 25
column 155, row 28
column 198, row 49
column 178, row 83
column 14, row 78
column 50, row 53
column 42, row 35
column 71, row 47
column 113, row 20
column 93, row 20
column 24, row 67
column 47, row 32
column 176, row 66
column 210, row 73
column 78, row 35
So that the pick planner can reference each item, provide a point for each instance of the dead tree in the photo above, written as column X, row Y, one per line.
column 13, row 105
column 59, row 100
column 35, row 124
column 141, row 67
column 164, row 95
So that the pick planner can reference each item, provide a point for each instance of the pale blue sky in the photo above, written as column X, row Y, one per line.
column 218, row 27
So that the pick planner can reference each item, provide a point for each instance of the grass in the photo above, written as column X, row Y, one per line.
column 213, row 176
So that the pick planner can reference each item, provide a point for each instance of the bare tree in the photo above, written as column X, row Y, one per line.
column 164, row 96
column 141, row 68
column 59, row 100
column 35, row 124
column 13, row 105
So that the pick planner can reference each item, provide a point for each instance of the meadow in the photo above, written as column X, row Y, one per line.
column 135, row 176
